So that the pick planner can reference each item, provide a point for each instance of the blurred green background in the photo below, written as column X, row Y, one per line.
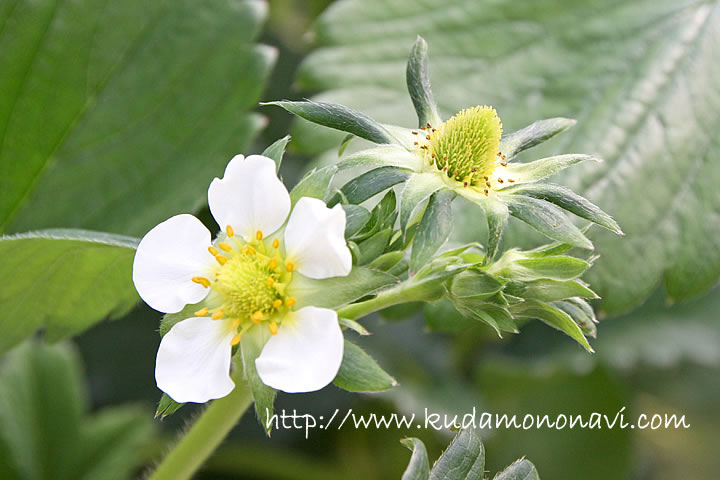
column 116, row 115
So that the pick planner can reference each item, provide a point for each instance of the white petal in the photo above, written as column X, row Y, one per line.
column 167, row 258
column 193, row 361
column 305, row 354
column 315, row 239
column 250, row 197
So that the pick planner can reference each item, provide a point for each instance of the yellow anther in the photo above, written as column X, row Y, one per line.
column 235, row 323
column 273, row 327
column 257, row 317
column 229, row 230
column 277, row 303
column 225, row 246
column 249, row 250
column 289, row 266
column 202, row 281
column 221, row 260
column 290, row 301
column 202, row 312
column 217, row 315
column 272, row 264
column 236, row 339
column 213, row 251
column 276, row 243
column 271, row 282
column 259, row 235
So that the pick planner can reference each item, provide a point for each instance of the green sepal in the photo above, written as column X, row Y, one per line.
column 547, row 219
column 514, row 143
column 553, row 317
column 315, row 184
column 386, row 261
column 167, row 406
column 521, row 469
column 497, row 215
column 382, row 156
column 417, row 190
column 359, row 372
column 549, row 290
column 568, row 200
column 518, row 266
column 433, row 230
column 354, row 326
column 356, row 217
column 345, row 143
column 337, row 291
column 418, row 85
column 276, row 151
column 251, row 346
column 338, row 117
column 581, row 312
column 545, row 167
column 474, row 284
column 419, row 466
column 464, row 459
column 370, row 184
column 373, row 247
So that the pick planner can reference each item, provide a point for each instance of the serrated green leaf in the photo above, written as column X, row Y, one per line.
column 568, row 200
column 419, row 466
column 251, row 346
column 155, row 100
column 416, row 191
column 315, row 184
column 553, row 317
column 433, row 230
column 64, row 281
column 359, row 372
column 640, row 77
column 338, row 117
column 464, row 459
column 46, row 426
column 520, row 470
column 370, row 184
column 418, row 84
column 337, row 291
column 276, row 151
column 536, row 133
column 547, row 219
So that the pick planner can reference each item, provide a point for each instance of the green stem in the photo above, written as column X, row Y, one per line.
column 385, row 299
column 206, row 434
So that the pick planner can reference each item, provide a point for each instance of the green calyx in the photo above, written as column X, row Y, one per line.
column 466, row 146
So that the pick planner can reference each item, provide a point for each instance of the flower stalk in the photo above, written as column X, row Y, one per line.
column 206, row 434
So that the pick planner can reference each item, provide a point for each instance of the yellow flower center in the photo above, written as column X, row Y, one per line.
column 465, row 147
column 251, row 281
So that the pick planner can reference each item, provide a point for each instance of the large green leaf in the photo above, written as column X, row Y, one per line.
column 116, row 115
column 641, row 77
column 45, row 426
column 63, row 280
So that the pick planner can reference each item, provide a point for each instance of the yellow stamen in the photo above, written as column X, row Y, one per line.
column 276, row 243
column 202, row 281
column 217, row 315
column 221, row 259
column 277, row 303
column 273, row 327
column 259, row 235
column 202, row 312
column 249, row 250
column 213, row 251
column 290, row 301
column 225, row 246
column 235, row 323
column 236, row 339
column 289, row 266
column 257, row 317
column 272, row 264
column 271, row 282
column 229, row 230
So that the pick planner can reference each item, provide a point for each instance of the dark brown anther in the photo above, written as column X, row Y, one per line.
column 488, row 184
column 486, row 178
column 503, row 164
column 464, row 184
column 427, row 137
column 414, row 132
column 486, row 193
column 502, row 156
column 499, row 154
column 415, row 143
column 474, row 170
column 433, row 130
column 511, row 180
column 500, row 180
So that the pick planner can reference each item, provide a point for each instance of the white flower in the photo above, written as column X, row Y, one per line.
column 243, row 279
